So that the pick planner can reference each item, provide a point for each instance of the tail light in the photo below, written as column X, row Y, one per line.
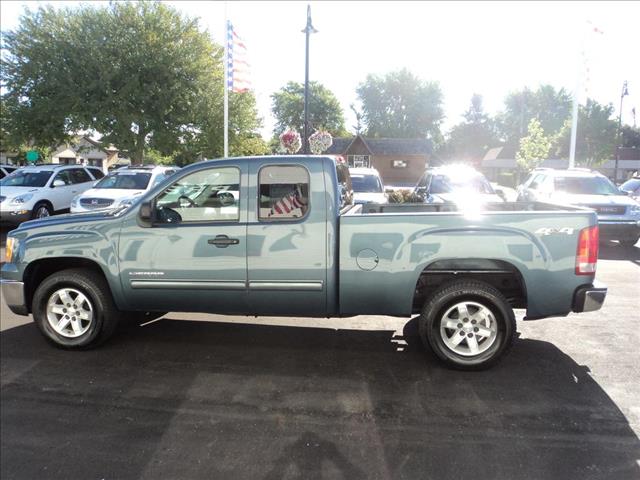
column 587, row 254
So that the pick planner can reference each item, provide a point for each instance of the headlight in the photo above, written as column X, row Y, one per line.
column 10, row 249
column 20, row 199
column 75, row 200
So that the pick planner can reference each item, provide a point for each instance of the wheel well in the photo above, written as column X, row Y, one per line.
column 38, row 270
column 502, row 275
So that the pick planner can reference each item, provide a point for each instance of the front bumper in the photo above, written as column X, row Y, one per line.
column 589, row 298
column 619, row 230
column 15, row 216
column 13, row 293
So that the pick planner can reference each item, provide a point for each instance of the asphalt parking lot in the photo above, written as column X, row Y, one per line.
column 236, row 397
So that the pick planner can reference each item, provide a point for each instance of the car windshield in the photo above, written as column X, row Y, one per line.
column 125, row 180
column 366, row 183
column 27, row 179
column 449, row 184
column 631, row 185
column 585, row 186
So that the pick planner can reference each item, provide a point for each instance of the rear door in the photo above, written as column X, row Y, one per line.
column 287, row 239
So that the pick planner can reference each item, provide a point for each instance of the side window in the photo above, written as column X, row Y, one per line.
column 284, row 192
column 345, row 188
column 79, row 175
column 97, row 173
column 65, row 176
column 211, row 195
column 536, row 182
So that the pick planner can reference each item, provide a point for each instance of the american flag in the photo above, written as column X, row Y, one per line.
column 289, row 203
column 237, row 65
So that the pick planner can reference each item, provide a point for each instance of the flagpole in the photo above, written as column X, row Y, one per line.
column 576, row 94
column 226, row 82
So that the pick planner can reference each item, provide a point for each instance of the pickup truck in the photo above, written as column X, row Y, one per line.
column 279, row 235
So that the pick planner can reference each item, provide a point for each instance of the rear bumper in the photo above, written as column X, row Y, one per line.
column 588, row 298
column 619, row 230
column 13, row 294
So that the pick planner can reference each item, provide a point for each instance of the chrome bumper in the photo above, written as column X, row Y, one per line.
column 13, row 294
column 589, row 297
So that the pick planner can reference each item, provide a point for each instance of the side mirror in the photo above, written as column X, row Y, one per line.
column 146, row 213
column 58, row 183
column 624, row 192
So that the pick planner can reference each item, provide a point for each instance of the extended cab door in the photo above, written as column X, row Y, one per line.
column 287, row 238
column 193, row 255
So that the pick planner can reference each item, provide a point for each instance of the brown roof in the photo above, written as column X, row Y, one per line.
column 384, row 146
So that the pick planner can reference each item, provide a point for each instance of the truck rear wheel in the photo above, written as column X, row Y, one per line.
column 468, row 324
column 73, row 309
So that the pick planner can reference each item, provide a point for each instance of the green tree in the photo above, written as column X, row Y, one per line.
column 534, row 148
column 630, row 136
column 550, row 106
column 595, row 137
column 324, row 109
column 401, row 105
column 471, row 138
column 141, row 74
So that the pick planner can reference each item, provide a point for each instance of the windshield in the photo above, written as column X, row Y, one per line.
column 448, row 184
column 586, row 186
column 125, row 180
column 366, row 183
column 27, row 179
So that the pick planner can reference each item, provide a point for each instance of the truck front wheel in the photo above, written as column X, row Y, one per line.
column 468, row 324
column 73, row 309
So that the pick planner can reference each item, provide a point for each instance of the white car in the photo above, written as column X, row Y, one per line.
column 120, row 188
column 42, row 190
column 367, row 186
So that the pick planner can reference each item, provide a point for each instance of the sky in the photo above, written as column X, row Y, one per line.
column 490, row 48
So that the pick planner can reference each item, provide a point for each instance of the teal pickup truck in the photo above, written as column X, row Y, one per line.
column 279, row 235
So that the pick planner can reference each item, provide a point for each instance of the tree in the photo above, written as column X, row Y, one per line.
column 324, row 109
column 471, row 138
column 630, row 136
column 550, row 106
column 534, row 148
column 401, row 105
column 595, row 137
column 141, row 74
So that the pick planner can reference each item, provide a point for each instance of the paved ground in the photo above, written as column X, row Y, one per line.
column 255, row 398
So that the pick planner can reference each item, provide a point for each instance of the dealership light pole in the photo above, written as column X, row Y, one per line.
column 308, row 30
column 624, row 93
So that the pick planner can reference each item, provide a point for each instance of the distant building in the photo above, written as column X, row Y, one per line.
column 499, row 165
column 400, row 161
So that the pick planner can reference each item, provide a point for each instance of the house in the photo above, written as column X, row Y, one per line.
column 499, row 165
column 86, row 151
column 400, row 161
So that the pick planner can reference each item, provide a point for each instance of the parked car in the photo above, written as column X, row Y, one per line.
column 120, row 188
column 40, row 191
column 632, row 187
column 459, row 184
column 292, row 245
column 618, row 214
column 7, row 170
column 367, row 186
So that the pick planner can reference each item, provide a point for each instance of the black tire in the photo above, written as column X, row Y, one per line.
column 96, row 290
column 629, row 242
column 41, row 206
column 446, row 298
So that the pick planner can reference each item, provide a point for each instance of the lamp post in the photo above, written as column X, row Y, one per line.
column 308, row 30
column 624, row 93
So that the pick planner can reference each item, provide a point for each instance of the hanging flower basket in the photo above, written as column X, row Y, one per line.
column 320, row 141
column 290, row 141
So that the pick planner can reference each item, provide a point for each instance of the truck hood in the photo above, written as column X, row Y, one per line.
column 66, row 219
column 369, row 197
column 584, row 200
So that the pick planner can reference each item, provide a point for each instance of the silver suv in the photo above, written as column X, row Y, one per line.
column 618, row 214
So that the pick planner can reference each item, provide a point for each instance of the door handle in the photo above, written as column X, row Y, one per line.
column 223, row 241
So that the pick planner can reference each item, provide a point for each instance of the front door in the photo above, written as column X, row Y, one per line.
column 193, row 257
column 287, row 239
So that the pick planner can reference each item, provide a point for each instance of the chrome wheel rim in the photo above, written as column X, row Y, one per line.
column 69, row 312
column 468, row 329
column 42, row 212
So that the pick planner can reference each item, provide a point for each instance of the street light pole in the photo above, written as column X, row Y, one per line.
column 624, row 93
column 308, row 30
